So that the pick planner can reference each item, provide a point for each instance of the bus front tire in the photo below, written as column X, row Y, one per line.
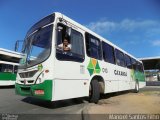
column 94, row 92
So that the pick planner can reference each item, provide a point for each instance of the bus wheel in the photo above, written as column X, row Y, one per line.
column 94, row 91
column 136, row 90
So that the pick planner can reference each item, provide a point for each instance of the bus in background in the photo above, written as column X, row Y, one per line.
column 9, row 61
column 63, row 60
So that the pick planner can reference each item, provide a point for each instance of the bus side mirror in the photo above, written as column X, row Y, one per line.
column 16, row 48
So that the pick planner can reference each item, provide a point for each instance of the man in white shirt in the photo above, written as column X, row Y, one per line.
column 65, row 46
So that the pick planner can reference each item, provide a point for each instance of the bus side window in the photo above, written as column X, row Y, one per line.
column 75, row 50
column 6, row 68
column 134, row 64
column 77, row 43
column 61, row 35
column 140, row 67
column 93, row 46
column 0, row 67
column 128, row 61
column 15, row 69
column 108, row 53
column 9, row 68
column 120, row 58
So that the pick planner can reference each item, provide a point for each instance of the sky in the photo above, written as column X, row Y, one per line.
column 133, row 25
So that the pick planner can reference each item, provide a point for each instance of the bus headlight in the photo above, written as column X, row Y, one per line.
column 40, row 78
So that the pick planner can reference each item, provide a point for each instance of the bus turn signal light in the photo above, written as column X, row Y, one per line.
column 46, row 71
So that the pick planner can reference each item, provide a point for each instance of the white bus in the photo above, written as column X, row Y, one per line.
column 9, row 61
column 85, row 64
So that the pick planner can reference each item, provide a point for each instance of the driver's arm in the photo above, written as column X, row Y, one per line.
column 68, row 48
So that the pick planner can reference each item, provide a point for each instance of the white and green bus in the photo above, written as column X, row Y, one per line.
column 9, row 61
column 92, row 66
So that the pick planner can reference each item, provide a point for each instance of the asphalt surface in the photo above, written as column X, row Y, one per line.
column 12, row 103
column 26, row 106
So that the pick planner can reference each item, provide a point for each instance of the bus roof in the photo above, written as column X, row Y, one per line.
column 78, row 25
column 57, row 14
column 150, row 58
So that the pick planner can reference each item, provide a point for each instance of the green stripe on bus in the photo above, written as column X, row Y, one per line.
column 25, row 90
column 47, row 87
column 7, row 76
column 139, row 76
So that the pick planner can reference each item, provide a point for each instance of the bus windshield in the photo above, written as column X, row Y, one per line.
column 37, row 47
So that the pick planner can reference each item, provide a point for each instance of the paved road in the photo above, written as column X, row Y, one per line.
column 12, row 103
column 15, row 104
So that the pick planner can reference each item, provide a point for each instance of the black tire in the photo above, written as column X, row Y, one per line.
column 94, row 92
column 136, row 90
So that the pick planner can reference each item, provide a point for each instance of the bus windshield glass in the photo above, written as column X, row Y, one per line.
column 37, row 47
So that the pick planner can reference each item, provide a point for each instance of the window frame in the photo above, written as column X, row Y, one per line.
column 140, row 67
column 125, row 57
column 134, row 66
column 87, row 41
column 116, row 50
column 68, row 56
column 104, row 44
column 6, row 67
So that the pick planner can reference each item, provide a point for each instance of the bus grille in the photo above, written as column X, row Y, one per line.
column 28, row 74
column 28, row 81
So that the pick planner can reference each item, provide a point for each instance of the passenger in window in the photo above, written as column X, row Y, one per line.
column 65, row 46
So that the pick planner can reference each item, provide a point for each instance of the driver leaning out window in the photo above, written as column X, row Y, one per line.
column 65, row 46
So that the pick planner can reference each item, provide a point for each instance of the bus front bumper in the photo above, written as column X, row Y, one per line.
column 41, row 91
